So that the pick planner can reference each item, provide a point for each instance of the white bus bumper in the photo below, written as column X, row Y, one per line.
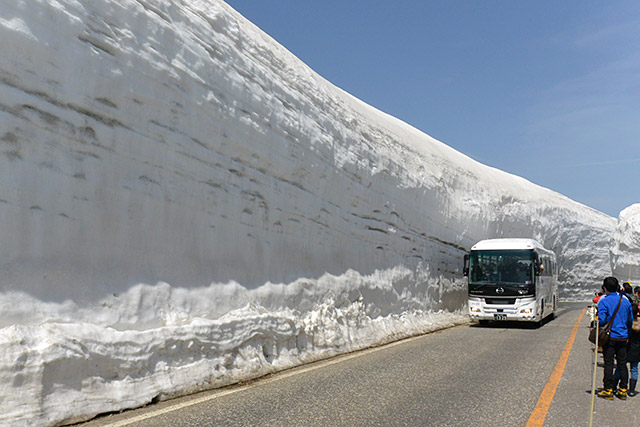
column 524, row 309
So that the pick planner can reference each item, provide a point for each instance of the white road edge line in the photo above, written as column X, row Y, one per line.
column 277, row 376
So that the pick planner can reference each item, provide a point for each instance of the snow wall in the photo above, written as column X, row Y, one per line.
column 184, row 204
column 625, row 246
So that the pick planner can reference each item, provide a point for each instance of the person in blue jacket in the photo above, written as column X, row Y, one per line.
column 618, row 338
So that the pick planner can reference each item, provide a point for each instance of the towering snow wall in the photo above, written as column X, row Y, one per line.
column 165, row 163
column 625, row 246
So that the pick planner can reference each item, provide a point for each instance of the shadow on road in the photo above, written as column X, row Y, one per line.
column 511, row 324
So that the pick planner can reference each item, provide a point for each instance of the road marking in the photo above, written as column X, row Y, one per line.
column 544, row 402
column 277, row 377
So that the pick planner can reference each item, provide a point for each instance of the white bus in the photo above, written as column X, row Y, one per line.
column 511, row 279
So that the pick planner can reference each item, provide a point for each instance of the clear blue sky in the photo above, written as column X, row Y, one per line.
column 548, row 90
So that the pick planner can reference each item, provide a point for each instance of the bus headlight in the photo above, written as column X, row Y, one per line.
column 527, row 310
column 474, row 309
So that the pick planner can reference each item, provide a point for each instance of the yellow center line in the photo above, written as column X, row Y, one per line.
column 544, row 402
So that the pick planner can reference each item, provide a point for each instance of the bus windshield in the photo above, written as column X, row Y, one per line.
column 513, row 267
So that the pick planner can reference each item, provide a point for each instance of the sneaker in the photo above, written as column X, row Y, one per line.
column 621, row 394
column 607, row 393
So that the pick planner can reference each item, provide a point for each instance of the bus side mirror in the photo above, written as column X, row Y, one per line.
column 537, row 265
column 465, row 268
column 538, row 269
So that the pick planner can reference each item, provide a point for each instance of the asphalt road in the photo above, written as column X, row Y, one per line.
column 463, row 376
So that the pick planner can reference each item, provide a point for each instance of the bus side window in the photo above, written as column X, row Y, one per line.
column 545, row 264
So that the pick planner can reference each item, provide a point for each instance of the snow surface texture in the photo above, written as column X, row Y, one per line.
column 625, row 246
column 184, row 204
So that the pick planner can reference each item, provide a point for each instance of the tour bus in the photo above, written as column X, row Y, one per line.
column 511, row 279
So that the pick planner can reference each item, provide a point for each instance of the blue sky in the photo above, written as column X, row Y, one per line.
column 546, row 90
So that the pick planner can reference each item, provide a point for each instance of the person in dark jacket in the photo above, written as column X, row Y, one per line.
column 632, row 296
column 633, row 346
column 633, row 357
column 618, row 338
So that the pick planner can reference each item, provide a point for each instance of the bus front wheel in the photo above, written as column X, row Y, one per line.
column 555, row 307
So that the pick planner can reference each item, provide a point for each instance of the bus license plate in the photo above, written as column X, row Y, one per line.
column 499, row 317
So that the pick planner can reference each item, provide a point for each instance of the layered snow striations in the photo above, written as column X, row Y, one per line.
column 625, row 246
column 184, row 204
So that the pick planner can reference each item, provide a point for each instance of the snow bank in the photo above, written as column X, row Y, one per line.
column 625, row 246
column 118, row 355
column 188, row 205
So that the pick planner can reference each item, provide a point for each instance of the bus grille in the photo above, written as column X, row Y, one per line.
column 502, row 301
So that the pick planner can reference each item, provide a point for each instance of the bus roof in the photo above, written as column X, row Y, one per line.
column 507, row 244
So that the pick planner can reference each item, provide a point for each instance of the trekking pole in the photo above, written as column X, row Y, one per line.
column 595, row 365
